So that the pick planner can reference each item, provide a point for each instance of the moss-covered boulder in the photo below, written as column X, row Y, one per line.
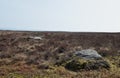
column 82, row 64
column 85, row 60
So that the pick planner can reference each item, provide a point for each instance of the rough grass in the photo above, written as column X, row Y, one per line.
column 22, row 57
column 61, row 72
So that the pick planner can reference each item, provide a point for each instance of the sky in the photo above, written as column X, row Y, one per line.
column 60, row 15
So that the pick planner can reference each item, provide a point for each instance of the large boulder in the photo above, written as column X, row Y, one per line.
column 86, row 60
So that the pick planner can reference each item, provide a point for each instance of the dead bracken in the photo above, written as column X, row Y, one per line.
column 59, row 55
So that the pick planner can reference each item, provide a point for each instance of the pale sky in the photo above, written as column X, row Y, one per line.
column 60, row 15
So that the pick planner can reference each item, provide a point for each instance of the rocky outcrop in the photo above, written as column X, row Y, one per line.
column 87, row 60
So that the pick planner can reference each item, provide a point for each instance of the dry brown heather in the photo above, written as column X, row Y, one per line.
column 24, row 57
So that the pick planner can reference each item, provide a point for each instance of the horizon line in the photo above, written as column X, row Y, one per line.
column 18, row 30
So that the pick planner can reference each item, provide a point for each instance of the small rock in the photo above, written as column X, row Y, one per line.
column 36, row 38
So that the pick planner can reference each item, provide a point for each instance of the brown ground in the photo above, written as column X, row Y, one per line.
column 21, row 54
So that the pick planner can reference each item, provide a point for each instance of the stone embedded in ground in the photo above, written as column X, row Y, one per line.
column 88, row 54
column 87, row 60
column 82, row 64
column 36, row 38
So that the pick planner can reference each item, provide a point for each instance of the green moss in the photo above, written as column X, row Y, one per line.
column 83, row 64
column 76, row 65
column 14, row 75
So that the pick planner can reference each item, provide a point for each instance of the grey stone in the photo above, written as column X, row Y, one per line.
column 88, row 54
column 36, row 38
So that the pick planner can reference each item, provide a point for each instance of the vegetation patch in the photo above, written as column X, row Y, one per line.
column 81, row 64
